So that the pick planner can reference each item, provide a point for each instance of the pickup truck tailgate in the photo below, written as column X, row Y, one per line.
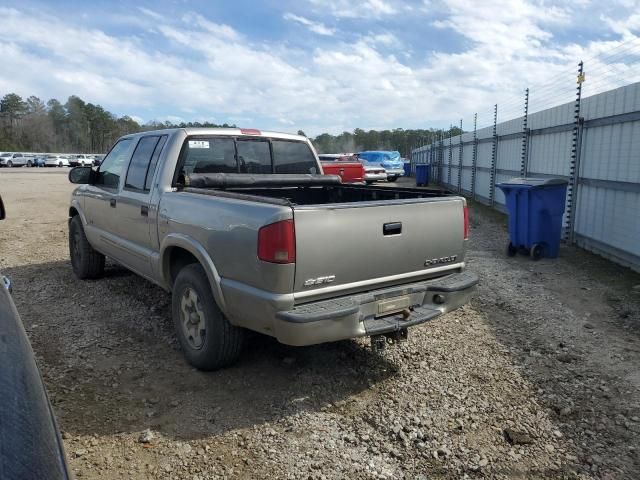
column 358, row 247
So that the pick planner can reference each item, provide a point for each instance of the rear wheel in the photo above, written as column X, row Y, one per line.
column 392, row 179
column 9, row 163
column 536, row 251
column 85, row 261
column 29, row 164
column 60, row 164
column 207, row 338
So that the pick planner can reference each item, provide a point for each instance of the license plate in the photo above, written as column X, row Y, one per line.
column 392, row 305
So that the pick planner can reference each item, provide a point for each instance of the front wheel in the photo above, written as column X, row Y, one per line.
column 392, row 179
column 29, row 164
column 85, row 261
column 208, row 340
column 60, row 164
column 9, row 164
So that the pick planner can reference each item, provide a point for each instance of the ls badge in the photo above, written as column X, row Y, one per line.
column 438, row 261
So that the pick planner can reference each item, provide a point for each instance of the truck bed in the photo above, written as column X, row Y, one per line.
column 360, row 236
column 311, row 190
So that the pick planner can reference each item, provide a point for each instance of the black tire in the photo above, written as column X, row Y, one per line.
column 85, row 261
column 9, row 163
column 222, row 343
column 392, row 179
column 536, row 251
column 29, row 164
column 60, row 164
column 511, row 250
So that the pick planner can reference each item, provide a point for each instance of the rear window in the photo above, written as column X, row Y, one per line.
column 210, row 155
column 246, row 155
column 254, row 156
column 293, row 157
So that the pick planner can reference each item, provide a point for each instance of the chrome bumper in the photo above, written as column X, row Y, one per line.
column 360, row 315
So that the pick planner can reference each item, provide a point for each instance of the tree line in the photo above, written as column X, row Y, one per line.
column 31, row 125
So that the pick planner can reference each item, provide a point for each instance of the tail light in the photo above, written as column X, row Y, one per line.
column 277, row 242
column 466, row 222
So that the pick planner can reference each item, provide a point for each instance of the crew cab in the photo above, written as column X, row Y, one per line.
column 347, row 167
column 241, row 227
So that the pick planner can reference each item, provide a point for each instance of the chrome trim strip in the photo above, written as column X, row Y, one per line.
column 375, row 281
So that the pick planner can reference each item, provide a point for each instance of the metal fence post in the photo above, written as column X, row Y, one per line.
column 441, row 161
column 574, row 165
column 450, row 157
column 474, row 161
column 525, row 136
column 460, row 160
column 494, row 156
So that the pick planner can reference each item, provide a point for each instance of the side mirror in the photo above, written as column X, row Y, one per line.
column 81, row 175
column 2, row 212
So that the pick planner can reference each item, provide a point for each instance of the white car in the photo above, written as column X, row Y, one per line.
column 13, row 159
column 81, row 160
column 56, row 161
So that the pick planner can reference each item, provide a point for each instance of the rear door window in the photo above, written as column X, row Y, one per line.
column 154, row 162
column 139, row 164
column 254, row 156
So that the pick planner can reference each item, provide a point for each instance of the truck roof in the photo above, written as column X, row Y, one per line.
column 226, row 132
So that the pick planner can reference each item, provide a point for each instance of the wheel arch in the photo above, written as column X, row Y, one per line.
column 178, row 251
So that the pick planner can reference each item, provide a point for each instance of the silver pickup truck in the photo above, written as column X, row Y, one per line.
column 245, row 231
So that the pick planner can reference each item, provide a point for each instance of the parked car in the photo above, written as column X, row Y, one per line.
column 56, row 160
column 373, row 172
column 240, row 227
column 13, row 160
column 81, row 160
column 97, row 160
column 389, row 160
column 347, row 167
column 40, row 160
column 30, row 439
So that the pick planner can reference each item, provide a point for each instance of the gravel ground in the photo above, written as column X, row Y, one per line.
column 537, row 378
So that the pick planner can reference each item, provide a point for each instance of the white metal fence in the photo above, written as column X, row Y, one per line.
column 594, row 144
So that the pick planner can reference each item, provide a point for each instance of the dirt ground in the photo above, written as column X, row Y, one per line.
column 539, row 377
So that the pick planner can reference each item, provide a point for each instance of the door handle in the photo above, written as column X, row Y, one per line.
column 393, row 228
column 144, row 210
column 112, row 203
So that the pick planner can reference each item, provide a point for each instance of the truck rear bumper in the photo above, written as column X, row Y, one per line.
column 366, row 314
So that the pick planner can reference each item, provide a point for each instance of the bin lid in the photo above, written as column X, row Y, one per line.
column 536, row 182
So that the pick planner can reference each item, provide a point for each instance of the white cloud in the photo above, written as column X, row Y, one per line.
column 371, row 82
column 315, row 27
column 361, row 9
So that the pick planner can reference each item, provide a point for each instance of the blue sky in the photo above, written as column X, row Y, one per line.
column 316, row 65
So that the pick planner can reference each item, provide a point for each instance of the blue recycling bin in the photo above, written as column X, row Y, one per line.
column 407, row 169
column 536, row 207
column 422, row 174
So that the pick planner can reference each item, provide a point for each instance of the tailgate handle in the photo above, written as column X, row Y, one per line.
column 393, row 228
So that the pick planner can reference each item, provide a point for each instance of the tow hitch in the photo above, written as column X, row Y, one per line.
column 379, row 342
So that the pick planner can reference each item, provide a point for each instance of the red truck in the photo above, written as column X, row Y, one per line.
column 346, row 166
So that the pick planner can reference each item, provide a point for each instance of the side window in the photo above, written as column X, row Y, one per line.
column 137, row 173
column 254, row 156
column 213, row 155
column 113, row 164
column 154, row 162
column 293, row 157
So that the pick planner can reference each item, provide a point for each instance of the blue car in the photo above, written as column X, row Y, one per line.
column 389, row 160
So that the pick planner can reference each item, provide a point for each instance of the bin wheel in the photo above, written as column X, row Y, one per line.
column 536, row 251
column 511, row 250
